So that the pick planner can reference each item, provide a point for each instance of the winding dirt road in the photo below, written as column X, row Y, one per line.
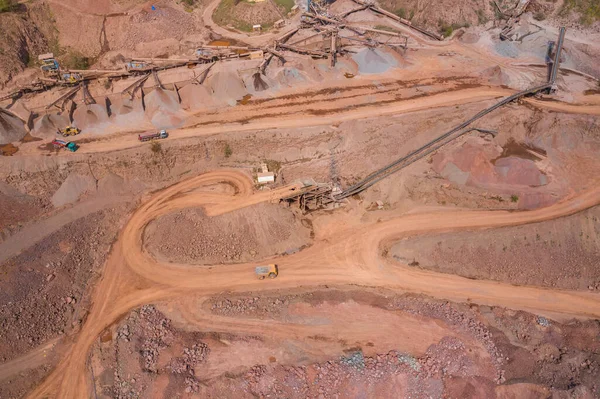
column 344, row 256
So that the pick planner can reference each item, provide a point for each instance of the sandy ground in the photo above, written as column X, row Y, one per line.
column 143, row 255
column 350, row 259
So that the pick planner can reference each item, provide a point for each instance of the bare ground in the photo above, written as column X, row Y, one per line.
column 244, row 235
column 523, row 355
column 45, row 291
column 562, row 253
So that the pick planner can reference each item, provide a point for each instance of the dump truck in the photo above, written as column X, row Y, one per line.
column 69, row 145
column 263, row 272
column 153, row 136
column 69, row 131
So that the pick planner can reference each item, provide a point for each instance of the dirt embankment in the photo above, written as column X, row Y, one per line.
column 486, row 352
column 563, row 253
column 26, row 33
column 244, row 235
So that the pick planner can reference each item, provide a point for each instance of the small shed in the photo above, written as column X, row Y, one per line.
column 256, row 28
column 265, row 178
column 279, row 24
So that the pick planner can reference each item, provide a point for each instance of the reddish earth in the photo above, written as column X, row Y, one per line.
column 158, row 356
column 126, row 268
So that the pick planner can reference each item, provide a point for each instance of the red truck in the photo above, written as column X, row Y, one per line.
column 153, row 136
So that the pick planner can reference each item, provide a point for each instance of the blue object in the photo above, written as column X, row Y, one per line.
column 153, row 8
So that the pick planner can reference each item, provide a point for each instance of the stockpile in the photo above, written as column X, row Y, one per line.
column 371, row 60
column 49, row 124
column 11, row 129
column 195, row 97
column 163, row 109
column 90, row 118
column 227, row 87
column 127, row 113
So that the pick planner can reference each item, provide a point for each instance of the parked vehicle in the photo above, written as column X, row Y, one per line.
column 69, row 145
column 153, row 136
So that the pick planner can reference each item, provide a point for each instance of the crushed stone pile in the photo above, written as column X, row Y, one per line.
column 46, row 126
column 11, row 128
column 195, row 97
column 371, row 61
column 127, row 113
column 163, row 109
column 91, row 118
column 227, row 87
column 22, row 112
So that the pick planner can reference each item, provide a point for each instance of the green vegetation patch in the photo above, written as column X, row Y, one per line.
column 7, row 5
column 386, row 28
column 447, row 29
column 223, row 16
column 588, row 9
column 286, row 4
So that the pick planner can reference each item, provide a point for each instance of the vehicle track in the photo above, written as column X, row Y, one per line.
column 347, row 256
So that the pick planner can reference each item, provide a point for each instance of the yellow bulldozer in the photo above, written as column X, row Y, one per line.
column 69, row 131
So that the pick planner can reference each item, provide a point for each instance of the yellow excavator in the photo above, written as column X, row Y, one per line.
column 69, row 131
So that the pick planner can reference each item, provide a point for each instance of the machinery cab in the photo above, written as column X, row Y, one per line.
column 163, row 134
column 71, row 77
column 72, row 146
column 69, row 145
column 49, row 64
column 271, row 271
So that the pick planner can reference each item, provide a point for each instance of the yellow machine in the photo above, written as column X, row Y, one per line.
column 69, row 131
column 270, row 271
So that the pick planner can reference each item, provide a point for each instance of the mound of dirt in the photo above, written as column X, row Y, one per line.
column 11, row 128
column 195, row 97
column 478, row 163
column 371, row 61
column 47, row 126
column 227, row 87
column 90, row 118
column 248, row 234
column 72, row 188
column 163, row 109
column 496, row 76
column 25, row 34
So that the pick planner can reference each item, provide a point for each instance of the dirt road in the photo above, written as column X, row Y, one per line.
column 343, row 256
column 322, row 112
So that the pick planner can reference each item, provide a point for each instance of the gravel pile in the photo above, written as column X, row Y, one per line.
column 371, row 60
column 247, row 234
column 227, row 87
column 156, row 335
column 11, row 129
column 465, row 322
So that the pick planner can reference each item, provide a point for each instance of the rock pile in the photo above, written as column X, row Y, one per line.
column 156, row 335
